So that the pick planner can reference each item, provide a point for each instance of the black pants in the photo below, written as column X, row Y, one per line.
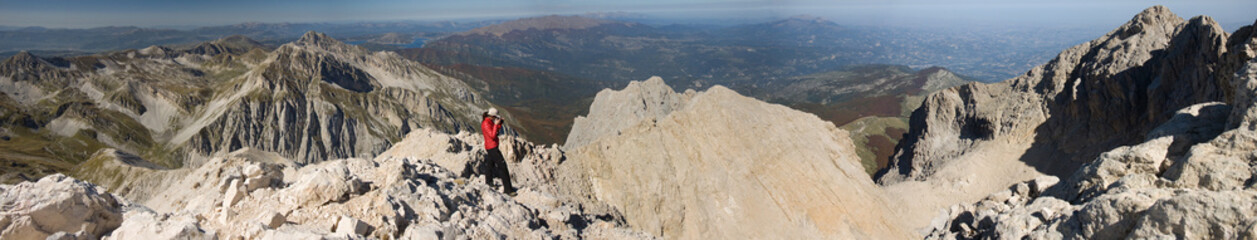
column 497, row 169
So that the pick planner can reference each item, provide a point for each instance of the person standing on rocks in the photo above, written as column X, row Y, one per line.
column 491, row 126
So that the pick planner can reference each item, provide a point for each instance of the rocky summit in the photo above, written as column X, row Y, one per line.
column 719, row 165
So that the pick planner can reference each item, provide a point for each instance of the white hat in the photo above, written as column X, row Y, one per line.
column 493, row 112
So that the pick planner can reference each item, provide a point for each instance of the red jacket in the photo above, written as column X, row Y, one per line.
column 490, row 131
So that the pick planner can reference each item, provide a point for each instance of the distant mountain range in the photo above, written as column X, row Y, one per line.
column 988, row 55
column 91, row 40
column 557, row 63
column 739, row 55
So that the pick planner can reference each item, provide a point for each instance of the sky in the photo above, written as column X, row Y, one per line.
column 150, row 13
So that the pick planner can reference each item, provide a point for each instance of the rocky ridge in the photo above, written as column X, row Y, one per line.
column 1146, row 127
column 1086, row 101
column 406, row 193
column 969, row 141
column 318, row 98
column 716, row 164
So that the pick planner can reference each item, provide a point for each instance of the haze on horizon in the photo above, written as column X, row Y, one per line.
column 159, row 13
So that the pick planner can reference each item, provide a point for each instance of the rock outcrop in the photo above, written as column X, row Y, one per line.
column 613, row 111
column 1190, row 173
column 718, row 165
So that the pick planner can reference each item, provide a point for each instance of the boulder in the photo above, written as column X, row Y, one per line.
column 272, row 219
column 351, row 226
column 235, row 192
column 57, row 203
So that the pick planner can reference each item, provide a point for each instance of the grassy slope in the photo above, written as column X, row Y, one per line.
column 876, row 138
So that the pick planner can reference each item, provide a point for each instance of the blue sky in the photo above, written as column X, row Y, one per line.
column 95, row 13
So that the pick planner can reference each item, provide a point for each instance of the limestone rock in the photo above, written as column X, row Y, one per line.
column 351, row 226
column 272, row 219
column 614, row 111
column 416, row 232
column 57, row 203
column 453, row 152
column 721, row 165
column 402, row 195
column 233, row 194
column 146, row 224
column 1200, row 215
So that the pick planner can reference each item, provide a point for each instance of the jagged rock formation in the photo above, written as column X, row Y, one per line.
column 1186, row 181
column 309, row 100
column 318, row 98
column 1086, row 101
column 1093, row 97
column 718, row 165
column 406, row 193
column 1148, row 127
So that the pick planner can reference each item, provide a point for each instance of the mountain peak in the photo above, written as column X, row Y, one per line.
column 806, row 18
column 234, row 44
column 806, row 23
column 23, row 60
column 1155, row 16
column 1155, row 12
column 316, row 38
column 23, row 56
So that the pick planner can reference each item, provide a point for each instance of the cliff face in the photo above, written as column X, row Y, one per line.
column 717, row 164
column 1092, row 97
